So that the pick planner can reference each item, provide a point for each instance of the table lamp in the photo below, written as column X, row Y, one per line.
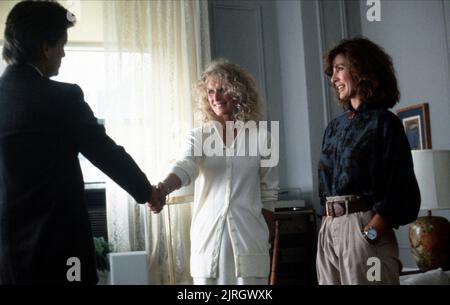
column 429, row 236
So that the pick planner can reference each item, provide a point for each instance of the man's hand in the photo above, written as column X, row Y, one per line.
column 157, row 201
column 162, row 192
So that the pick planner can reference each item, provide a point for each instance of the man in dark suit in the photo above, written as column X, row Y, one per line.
column 44, row 124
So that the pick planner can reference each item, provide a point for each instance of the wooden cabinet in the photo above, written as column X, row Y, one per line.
column 294, row 248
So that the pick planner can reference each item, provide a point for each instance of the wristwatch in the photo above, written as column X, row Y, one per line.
column 370, row 234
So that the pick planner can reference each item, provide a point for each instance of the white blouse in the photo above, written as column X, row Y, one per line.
column 230, row 189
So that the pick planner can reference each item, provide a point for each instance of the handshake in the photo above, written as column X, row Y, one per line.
column 158, row 199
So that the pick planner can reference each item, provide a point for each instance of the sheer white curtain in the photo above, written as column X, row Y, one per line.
column 155, row 54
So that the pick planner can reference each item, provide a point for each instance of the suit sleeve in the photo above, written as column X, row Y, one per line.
column 92, row 141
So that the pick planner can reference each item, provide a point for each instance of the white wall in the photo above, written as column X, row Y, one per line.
column 416, row 34
column 281, row 43
column 297, row 146
column 245, row 32
column 296, row 33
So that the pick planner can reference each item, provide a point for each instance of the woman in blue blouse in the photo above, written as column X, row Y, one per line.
column 366, row 177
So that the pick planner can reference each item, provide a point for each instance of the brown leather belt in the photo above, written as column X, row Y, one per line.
column 342, row 205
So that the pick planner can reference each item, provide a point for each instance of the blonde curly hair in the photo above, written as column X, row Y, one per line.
column 237, row 83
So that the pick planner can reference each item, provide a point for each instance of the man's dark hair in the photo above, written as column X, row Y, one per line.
column 371, row 68
column 29, row 25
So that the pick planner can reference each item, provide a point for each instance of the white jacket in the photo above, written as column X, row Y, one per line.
column 229, row 190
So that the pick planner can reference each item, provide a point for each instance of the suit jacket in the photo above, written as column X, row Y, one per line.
column 44, row 124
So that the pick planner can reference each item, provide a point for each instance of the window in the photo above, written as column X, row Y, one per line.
column 85, row 67
column 83, row 64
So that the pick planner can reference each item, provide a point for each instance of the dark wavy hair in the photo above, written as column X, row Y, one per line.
column 31, row 23
column 371, row 68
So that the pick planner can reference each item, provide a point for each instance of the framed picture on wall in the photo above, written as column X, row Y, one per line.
column 416, row 120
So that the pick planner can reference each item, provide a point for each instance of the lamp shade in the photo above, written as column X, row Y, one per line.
column 432, row 169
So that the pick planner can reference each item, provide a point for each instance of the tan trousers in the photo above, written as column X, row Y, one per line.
column 344, row 257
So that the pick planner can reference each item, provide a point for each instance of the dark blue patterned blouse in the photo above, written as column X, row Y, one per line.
column 366, row 153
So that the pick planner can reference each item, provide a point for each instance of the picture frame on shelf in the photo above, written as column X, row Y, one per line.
column 416, row 121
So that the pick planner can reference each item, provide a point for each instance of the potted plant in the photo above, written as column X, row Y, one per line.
column 102, row 248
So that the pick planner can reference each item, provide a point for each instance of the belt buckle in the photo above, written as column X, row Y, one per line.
column 336, row 209
column 328, row 208
column 342, row 207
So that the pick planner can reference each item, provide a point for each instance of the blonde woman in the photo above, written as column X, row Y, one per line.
column 229, row 235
